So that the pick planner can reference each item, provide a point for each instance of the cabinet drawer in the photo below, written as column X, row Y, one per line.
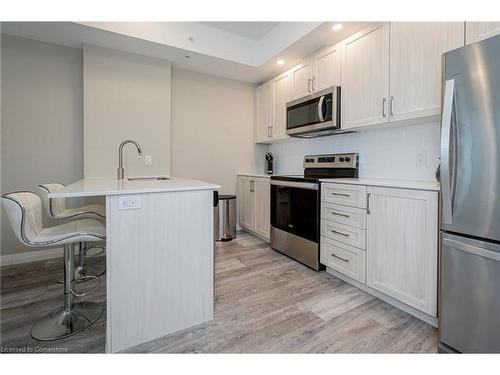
column 344, row 233
column 347, row 195
column 355, row 217
column 343, row 258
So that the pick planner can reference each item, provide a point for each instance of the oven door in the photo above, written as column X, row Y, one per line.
column 295, row 208
column 317, row 112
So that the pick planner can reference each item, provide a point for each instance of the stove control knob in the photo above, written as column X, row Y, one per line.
column 341, row 160
column 347, row 159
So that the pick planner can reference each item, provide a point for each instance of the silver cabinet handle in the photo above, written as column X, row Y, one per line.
column 340, row 194
column 272, row 127
column 368, row 195
column 342, row 234
column 338, row 214
column 384, row 102
column 391, row 102
column 342, row 259
column 309, row 85
column 314, row 83
column 268, row 132
column 252, row 185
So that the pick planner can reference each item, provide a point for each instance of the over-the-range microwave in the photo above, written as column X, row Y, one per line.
column 315, row 115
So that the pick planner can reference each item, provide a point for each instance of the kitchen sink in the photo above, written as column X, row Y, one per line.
column 148, row 178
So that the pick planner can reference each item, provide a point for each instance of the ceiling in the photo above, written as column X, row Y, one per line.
column 245, row 51
column 250, row 30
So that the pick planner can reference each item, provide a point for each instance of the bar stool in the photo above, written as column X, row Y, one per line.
column 24, row 211
column 57, row 209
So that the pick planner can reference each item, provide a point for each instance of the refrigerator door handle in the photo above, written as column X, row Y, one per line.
column 446, row 148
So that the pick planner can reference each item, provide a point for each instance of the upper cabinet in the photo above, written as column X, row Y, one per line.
column 317, row 72
column 365, row 78
column 388, row 72
column 416, row 65
column 476, row 31
column 271, row 100
column 264, row 115
column 302, row 79
column 326, row 68
column 281, row 95
column 392, row 72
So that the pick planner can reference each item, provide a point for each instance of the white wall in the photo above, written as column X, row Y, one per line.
column 213, row 129
column 42, row 131
column 384, row 153
column 125, row 96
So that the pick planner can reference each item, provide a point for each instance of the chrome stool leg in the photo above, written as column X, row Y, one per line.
column 89, row 269
column 83, row 272
column 71, row 318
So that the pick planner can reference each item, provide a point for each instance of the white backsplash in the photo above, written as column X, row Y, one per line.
column 385, row 153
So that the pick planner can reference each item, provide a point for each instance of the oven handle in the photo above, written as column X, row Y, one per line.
column 299, row 185
column 320, row 109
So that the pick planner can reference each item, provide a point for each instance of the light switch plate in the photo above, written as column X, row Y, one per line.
column 130, row 202
column 148, row 160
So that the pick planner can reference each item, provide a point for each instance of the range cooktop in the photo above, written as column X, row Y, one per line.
column 325, row 166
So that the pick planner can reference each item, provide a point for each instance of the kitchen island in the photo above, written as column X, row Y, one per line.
column 159, row 255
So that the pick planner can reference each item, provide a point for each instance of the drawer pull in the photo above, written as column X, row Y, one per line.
column 340, row 194
column 342, row 234
column 338, row 214
column 342, row 259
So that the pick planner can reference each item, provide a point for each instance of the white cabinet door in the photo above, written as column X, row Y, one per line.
column 281, row 95
column 365, row 78
column 416, row 66
column 476, row 31
column 327, row 68
column 262, row 192
column 402, row 243
column 246, row 203
column 264, row 113
column 301, row 76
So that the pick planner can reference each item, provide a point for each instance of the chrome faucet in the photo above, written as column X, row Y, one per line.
column 120, row 172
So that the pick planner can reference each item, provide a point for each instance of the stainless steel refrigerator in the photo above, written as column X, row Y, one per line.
column 469, row 303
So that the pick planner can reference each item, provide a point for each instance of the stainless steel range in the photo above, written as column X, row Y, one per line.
column 295, row 204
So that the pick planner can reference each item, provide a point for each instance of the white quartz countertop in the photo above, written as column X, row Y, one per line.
column 404, row 184
column 255, row 175
column 97, row 186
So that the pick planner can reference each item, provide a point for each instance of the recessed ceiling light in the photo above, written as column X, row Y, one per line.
column 280, row 62
column 337, row 26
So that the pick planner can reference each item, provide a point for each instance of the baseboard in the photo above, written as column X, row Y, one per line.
column 258, row 235
column 31, row 256
column 34, row 256
column 392, row 301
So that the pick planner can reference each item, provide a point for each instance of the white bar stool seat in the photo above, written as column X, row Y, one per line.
column 24, row 211
column 57, row 209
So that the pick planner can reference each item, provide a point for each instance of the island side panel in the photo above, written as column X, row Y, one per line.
column 160, row 266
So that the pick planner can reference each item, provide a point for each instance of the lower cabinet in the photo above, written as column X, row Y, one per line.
column 402, row 238
column 254, row 204
column 398, row 253
column 343, row 258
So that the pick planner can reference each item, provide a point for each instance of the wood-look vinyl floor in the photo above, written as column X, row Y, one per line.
column 265, row 303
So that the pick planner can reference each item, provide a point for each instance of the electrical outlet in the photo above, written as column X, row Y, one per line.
column 130, row 202
column 420, row 158
column 148, row 160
